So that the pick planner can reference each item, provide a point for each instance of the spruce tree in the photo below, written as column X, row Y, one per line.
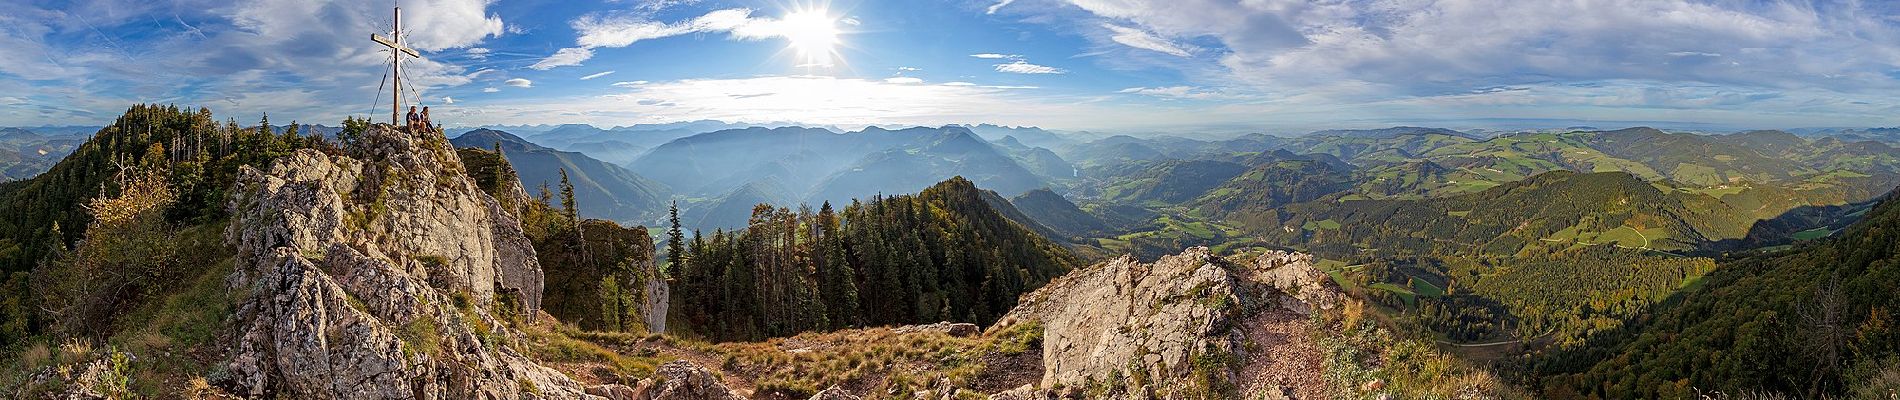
column 675, row 241
column 567, row 198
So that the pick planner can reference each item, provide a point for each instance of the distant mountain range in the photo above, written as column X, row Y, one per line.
column 602, row 190
column 26, row 153
column 812, row 165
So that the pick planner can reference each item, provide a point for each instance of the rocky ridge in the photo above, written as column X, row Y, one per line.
column 381, row 273
column 1137, row 330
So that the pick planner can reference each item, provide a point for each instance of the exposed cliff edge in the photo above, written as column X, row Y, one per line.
column 1178, row 327
column 382, row 273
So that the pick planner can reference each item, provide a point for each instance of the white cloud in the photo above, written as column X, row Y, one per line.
column 447, row 24
column 909, row 69
column 995, row 56
column 448, row 100
column 1185, row 92
column 628, row 84
column 564, row 57
column 519, row 82
column 1023, row 67
column 622, row 30
column 959, row 84
column 903, row 80
column 1141, row 39
column 596, row 75
column 998, row 6
column 1431, row 47
column 490, row 90
column 223, row 55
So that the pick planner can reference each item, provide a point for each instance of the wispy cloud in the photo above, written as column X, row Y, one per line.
column 995, row 56
column 1141, row 39
column 1024, row 67
column 519, row 82
column 903, row 80
column 998, row 6
column 1186, row 92
column 622, row 30
column 628, row 84
column 565, row 57
column 596, row 75
column 490, row 90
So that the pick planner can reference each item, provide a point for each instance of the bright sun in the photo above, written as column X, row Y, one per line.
column 812, row 33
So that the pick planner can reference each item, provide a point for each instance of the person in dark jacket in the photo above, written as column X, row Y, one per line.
column 410, row 120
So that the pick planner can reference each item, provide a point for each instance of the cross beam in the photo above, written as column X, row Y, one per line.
column 396, row 51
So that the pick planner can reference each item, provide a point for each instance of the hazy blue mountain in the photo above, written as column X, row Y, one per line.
column 603, row 190
column 734, row 210
column 63, row 130
column 1028, row 135
column 950, row 151
column 1040, row 160
column 715, row 163
column 25, row 153
column 1395, row 131
column 612, row 151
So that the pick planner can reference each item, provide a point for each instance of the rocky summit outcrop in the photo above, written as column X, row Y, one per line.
column 1175, row 323
column 380, row 273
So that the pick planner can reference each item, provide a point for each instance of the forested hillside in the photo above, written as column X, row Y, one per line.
column 940, row 255
column 1816, row 321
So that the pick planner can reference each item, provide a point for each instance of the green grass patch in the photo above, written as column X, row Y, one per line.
column 1406, row 294
column 1425, row 288
column 1812, row 234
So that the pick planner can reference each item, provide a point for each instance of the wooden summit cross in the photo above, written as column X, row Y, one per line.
column 396, row 51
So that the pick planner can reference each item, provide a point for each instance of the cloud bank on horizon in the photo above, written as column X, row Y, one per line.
column 1076, row 64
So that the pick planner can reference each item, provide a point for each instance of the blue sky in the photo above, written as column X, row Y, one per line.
column 1109, row 65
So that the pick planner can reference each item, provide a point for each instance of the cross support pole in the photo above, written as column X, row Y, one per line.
column 396, row 51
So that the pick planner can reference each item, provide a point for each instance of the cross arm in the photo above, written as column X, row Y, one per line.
column 392, row 44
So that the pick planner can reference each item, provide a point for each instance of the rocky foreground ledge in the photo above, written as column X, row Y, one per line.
column 1176, row 328
column 381, row 273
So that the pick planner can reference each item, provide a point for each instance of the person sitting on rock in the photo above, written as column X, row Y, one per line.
column 426, row 124
column 410, row 120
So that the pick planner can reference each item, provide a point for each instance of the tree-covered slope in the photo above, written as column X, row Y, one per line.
column 1556, row 209
column 943, row 254
column 1058, row 213
column 1172, row 182
column 1812, row 322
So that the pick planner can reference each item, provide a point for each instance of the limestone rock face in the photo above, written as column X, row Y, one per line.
column 377, row 275
column 1124, row 317
column 1295, row 275
column 658, row 298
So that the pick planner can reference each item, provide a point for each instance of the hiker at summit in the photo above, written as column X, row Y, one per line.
column 426, row 124
column 410, row 120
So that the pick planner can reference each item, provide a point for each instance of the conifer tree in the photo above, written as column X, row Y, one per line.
column 675, row 240
column 567, row 198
